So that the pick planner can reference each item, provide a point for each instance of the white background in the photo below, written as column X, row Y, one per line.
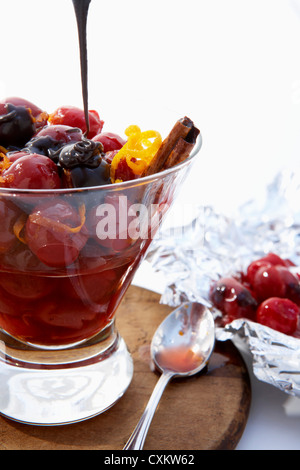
column 233, row 66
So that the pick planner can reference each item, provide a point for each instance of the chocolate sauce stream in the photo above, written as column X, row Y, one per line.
column 81, row 11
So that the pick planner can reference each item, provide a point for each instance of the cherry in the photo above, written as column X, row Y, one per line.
column 13, row 156
column 39, row 115
column 92, row 288
column 9, row 214
column 110, row 141
column 271, row 259
column 55, row 233
column 233, row 299
column 292, row 284
column 21, row 258
column 274, row 259
column 109, row 156
column 61, row 133
column 67, row 314
column 278, row 313
column 275, row 281
column 32, row 171
column 26, row 286
column 16, row 125
column 74, row 117
column 91, row 259
column 8, row 305
column 108, row 223
column 123, row 172
column 83, row 177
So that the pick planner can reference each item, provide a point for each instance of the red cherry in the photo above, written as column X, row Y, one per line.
column 26, row 286
column 110, row 228
column 109, row 156
column 32, row 171
column 19, row 327
column 92, row 288
column 110, row 141
column 67, row 314
column 8, row 306
column 292, row 284
column 279, row 314
column 61, row 133
column 13, row 156
column 268, row 282
column 9, row 214
column 271, row 259
column 55, row 234
column 276, row 281
column 123, row 172
column 74, row 117
column 274, row 259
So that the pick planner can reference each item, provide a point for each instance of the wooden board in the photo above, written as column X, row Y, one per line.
column 205, row 412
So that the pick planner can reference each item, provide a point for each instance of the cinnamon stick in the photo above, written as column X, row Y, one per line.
column 182, row 149
column 180, row 130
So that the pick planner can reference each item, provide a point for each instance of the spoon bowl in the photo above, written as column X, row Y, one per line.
column 181, row 347
column 184, row 341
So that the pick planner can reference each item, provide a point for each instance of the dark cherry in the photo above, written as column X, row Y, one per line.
column 85, row 177
column 35, row 110
column 42, row 145
column 85, row 152
column 233, row 299
column 16, row 125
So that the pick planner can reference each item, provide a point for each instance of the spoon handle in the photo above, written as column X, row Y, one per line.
column 137, row 438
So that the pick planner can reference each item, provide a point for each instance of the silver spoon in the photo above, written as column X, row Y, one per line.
column 181, row 347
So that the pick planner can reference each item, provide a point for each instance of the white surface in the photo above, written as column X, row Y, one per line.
column 233, row 67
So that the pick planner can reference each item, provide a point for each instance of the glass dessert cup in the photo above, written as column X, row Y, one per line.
column 67, row 258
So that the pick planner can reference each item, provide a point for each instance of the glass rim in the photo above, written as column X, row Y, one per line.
column 111, row 187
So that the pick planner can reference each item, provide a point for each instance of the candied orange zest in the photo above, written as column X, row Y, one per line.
column 18, row 227
column 38, row 219
column 138, row 151
column 5, row 163
column 43, row 116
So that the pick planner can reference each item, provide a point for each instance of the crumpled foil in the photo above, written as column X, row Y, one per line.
column 214, row 245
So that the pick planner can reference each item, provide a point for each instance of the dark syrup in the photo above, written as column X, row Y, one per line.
column 81, row 11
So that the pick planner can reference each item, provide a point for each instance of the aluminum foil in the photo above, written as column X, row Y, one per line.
column 213, row 245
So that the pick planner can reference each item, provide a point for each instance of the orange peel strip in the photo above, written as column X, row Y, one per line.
column 18, row 227
column 138, row 151
column 59, row 227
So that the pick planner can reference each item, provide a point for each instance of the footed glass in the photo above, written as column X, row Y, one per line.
column 67, row 258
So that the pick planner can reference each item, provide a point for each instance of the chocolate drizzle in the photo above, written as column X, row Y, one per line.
column 81, row 11
column 85, row 152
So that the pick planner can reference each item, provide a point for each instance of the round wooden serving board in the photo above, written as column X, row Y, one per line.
column 205, row 412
